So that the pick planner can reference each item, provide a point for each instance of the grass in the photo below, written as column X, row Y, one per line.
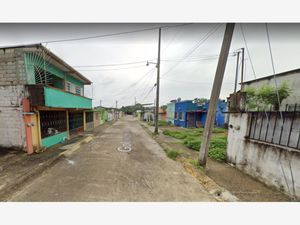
column 161, row 123
column 173, row 154
column 192, row 139
column 196, row 164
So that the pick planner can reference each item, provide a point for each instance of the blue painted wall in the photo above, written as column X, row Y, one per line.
column 185, row 106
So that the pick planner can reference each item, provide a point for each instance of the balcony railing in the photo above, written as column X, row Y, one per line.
column 43, row 95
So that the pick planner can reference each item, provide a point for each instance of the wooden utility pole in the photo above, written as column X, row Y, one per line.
column 209, row 123
column 157, row 83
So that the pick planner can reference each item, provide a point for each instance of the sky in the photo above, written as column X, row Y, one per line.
column 189, row 56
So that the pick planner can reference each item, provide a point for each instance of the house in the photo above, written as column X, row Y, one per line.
column 41, row 98
column 170, row 112
column 266, row 144
column 191, row 114
column 162, row 114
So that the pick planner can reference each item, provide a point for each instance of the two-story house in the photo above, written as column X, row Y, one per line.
column 41, row 98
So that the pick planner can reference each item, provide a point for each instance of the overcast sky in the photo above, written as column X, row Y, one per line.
column 187, row 79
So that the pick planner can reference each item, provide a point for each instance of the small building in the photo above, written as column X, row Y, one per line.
column 162, row 114
column 190, row 114
column 170, row 112
column 266, row 144
column 41, row 98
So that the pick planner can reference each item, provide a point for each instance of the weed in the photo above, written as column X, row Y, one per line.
column 173, row 154
column 196, row 164
column 193, row 144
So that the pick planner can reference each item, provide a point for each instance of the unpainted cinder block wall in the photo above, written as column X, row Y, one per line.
column 12, row 90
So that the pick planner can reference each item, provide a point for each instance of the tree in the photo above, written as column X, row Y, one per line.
column 266, row 96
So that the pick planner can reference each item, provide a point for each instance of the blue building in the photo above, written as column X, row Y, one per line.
column 189, row 114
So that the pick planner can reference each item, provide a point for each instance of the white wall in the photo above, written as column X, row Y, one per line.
column 293, row 80
column 276, row 166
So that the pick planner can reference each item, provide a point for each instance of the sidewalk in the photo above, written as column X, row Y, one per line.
column 18, row 168
column 241, row 185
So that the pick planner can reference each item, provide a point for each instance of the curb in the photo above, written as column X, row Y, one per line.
column 12, row 188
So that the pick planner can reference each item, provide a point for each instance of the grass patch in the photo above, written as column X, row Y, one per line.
column 173, row 154
column 196, row 164
column 192, row 139
column 161, row 123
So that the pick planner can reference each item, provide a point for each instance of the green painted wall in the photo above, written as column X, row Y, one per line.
column 55, row 139
column 60, row 99
column 31, row 61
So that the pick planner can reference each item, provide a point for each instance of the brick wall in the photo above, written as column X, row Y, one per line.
column 12, row 80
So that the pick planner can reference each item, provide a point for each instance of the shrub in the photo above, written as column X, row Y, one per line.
column 193, row 144
column 173, row 154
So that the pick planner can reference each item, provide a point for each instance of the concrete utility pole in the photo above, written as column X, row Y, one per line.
column 116, row 109
column 215, row 93
column 243, row 62
column 157, row 83
column 236, row 70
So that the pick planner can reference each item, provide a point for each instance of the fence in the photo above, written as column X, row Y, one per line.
column 276, row 127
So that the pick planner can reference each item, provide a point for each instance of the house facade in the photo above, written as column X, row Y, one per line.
column 41, row 98
column 190, row 114
column 170, row 114
column 266, row 144
column 162, row 114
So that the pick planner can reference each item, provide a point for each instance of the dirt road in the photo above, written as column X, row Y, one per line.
column 98, row 171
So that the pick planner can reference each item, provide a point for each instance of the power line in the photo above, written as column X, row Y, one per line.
column 114, row 64
column 199, row 43
column 248, row 52
column 125, row 68
column 112, row 34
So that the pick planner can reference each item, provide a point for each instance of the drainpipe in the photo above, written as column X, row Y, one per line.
column 27, row 123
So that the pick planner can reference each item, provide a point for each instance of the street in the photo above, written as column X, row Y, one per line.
column 123, row 163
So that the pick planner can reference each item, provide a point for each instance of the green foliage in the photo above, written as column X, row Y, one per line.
column 173, row 154
column 266, row 95
column 191, row 139
column 193, row 144
column 196, row 164
column 217, row 148
column 131, row 108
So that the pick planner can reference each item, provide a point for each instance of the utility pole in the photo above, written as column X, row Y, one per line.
column 209, row 123
column 236, row 70
column 157, row 83
column 134, row 100
column 100, row 102
column 243, row 62
column 116, row 109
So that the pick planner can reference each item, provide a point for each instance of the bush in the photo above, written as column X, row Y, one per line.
column 173, row 154
column 217, row 148
column 193, row 144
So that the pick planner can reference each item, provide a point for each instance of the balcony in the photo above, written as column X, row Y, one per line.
column 43, row 95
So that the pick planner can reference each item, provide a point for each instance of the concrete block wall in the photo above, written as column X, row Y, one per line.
column 12, row 91
column 273, row 165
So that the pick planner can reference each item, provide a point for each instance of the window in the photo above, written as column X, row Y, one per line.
column 181, row 116
column 78, row 90
column 68, row 87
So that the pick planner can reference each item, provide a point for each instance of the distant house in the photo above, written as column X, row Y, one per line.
column 190, row 114
column 170, row 112
column 162, row 114
column 266, row 144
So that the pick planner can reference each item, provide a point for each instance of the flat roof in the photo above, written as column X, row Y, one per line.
column 271, row 76
column 70, row 69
